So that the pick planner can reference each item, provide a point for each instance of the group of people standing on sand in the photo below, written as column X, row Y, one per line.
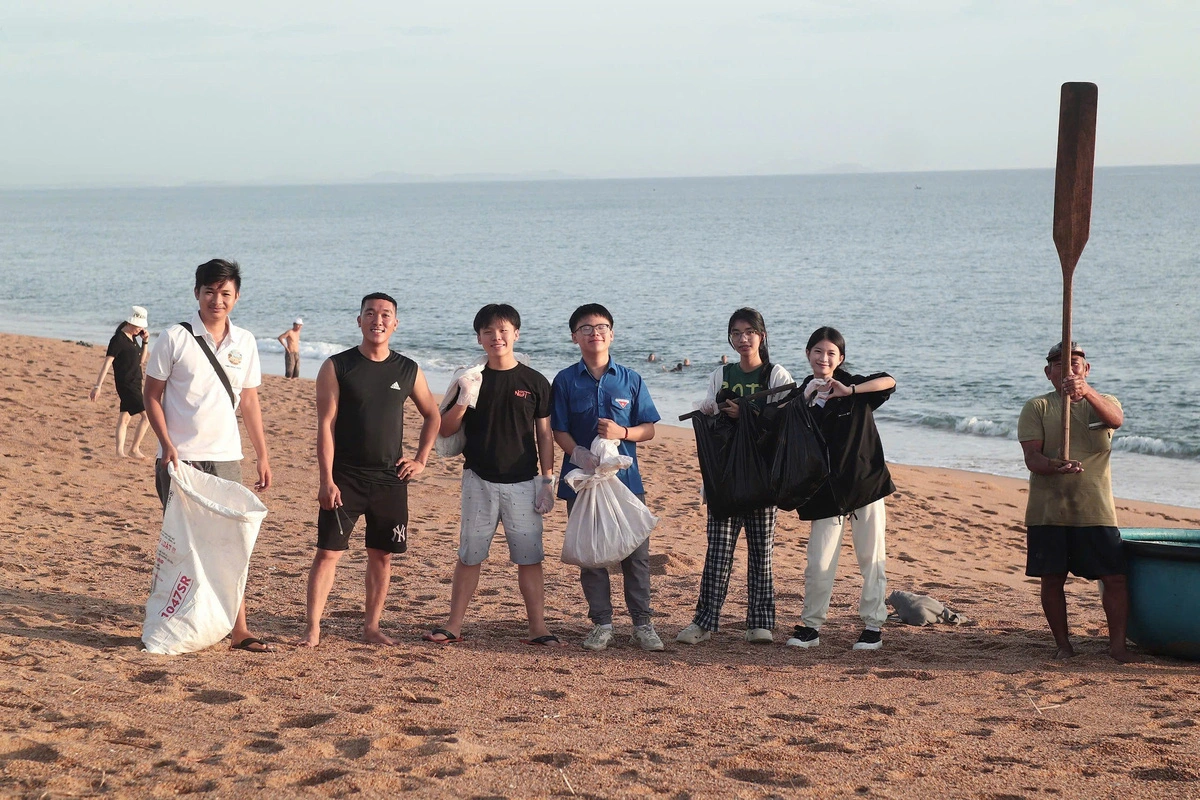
column 508, row 416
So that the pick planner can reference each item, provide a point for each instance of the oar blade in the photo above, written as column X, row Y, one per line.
column 1073, row 173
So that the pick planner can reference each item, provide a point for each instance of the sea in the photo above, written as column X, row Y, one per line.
column 949, row 281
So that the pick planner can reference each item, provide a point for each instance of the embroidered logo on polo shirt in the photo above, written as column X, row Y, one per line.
column 621, row 402
column 522, row 393
column 234, row 358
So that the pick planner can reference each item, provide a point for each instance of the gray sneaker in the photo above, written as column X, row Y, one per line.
column 693, row 634
column 645, row 637
column 600, row 638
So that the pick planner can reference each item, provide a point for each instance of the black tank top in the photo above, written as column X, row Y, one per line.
column 369, row 431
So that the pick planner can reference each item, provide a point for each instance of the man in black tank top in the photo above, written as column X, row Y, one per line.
column 360, row 433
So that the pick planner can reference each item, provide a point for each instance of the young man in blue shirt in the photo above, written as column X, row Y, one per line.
column 597, row 397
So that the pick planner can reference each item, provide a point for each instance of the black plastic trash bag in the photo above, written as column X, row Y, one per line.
column 735, row 460
column 801, row 460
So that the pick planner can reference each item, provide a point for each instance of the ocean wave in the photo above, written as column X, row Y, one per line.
column 1149, row 445
column 308, row 350
column 972, row 426
column 986, row 427
column 976, row 426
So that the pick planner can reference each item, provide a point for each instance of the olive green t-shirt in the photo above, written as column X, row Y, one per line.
column 1080, row 499
column 745, row 383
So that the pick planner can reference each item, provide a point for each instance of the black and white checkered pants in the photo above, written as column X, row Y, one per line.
column 718, row 564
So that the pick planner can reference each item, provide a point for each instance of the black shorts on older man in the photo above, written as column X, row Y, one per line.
column 1089, row 552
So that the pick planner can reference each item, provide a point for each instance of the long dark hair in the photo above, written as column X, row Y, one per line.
column 827, row 334
column 755, row 320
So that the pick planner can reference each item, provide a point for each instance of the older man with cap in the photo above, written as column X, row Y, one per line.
column 1071, row 517
column 290, row 339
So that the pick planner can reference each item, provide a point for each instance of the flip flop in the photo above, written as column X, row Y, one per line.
column 549, row 640
column 447, row 636
column 252, row 645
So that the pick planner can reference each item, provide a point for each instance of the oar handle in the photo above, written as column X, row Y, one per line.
column 1064, row 368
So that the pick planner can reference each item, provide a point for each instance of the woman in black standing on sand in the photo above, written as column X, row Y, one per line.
column 127, row 356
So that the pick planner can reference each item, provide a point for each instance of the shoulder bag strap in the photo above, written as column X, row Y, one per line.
column 212, row 359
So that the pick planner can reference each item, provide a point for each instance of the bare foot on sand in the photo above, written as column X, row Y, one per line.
column 1064, row 653
column 376, row 636
column 137, row 454
column 312, row 638
column 1123, row 656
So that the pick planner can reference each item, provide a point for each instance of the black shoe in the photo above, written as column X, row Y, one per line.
column 804, row 637
column 870, row 640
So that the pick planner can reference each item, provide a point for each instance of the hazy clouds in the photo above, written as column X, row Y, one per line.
column 226, row 91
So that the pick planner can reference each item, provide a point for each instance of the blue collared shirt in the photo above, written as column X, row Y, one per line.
column 578, row 401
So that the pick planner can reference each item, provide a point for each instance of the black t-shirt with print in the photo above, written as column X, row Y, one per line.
column 501, row 445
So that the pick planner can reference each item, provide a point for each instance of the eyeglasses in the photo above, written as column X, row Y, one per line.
column 588, row 330
column 746, row 334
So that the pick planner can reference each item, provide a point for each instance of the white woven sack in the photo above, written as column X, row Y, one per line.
column 209, row 529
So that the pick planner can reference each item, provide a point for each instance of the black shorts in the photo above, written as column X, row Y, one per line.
column 131, row 400
column 386, row 508
column 1089, row 552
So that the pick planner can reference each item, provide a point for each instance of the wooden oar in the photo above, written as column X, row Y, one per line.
column 1073, row 208
column 754, row 396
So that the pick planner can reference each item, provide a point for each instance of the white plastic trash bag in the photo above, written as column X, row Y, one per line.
column 209, row 529
column 607, row 522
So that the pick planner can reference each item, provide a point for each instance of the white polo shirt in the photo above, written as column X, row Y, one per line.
column 201, row 421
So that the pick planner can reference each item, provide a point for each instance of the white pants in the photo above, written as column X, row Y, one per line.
column 824, row 545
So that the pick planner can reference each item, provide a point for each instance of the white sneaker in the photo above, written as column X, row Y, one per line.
column 600, row 638
column 693, row 634
column 759, row 635
column 645, row 637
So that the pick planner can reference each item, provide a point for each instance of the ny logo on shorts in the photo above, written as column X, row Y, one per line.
column 399, row 534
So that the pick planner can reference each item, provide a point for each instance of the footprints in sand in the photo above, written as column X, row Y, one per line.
column 217, row 697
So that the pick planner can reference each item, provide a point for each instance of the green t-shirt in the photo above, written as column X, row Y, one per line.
column 1080, row 499
column 744, row 383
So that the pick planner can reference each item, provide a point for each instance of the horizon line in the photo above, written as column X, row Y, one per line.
column 534, row 176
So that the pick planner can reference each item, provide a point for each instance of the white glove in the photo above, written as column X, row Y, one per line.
column 544, row 503
column 468, row 388
column 584, row 458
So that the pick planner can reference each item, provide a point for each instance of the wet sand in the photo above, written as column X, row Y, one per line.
column 978, row 711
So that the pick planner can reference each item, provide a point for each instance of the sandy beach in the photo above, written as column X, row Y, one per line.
column 977, row 711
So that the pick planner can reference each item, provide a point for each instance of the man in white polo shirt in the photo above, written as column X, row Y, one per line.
column 192, row 410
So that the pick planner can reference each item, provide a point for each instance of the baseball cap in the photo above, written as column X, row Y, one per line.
column 1055, row 353
column 298, row 321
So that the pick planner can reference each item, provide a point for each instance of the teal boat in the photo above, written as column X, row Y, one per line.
column 1164, row 590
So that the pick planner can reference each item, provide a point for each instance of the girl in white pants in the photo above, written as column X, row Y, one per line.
column 843, row 405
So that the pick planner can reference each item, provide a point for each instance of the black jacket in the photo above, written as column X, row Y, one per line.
column 858, row 474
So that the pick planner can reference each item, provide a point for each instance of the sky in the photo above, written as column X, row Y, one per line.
column 265, row 91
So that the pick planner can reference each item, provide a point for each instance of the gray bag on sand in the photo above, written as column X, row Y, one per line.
column 917, row 609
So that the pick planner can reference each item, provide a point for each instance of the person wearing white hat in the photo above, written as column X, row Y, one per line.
column 290, row 339
column 127, row 357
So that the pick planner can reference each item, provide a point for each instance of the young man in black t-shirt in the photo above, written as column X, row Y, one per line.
column 504, row 410
column 360, row 431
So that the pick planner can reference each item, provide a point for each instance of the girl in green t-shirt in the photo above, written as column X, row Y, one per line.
column 752, row 373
